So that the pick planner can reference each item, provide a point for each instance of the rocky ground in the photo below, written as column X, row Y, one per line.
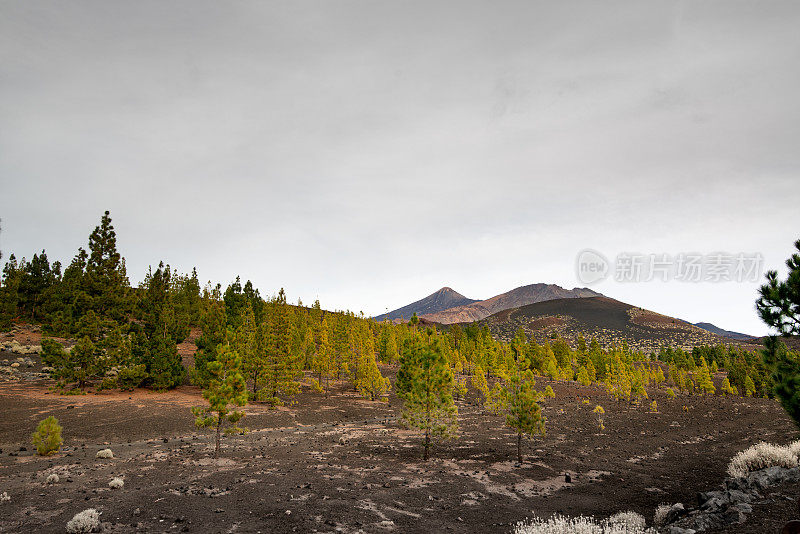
column 343, row 464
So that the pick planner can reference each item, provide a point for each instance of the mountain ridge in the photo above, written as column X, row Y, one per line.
column 722, row 332
column 519, row 296
column 437, row 301
column 608, row 320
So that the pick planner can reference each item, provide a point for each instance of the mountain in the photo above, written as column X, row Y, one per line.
column 441, row 300
column 724, row 333
column 520, row 296
column 608, row 320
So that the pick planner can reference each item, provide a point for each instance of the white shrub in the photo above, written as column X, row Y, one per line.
column 104, row 453
column 52, row 478
column 622, row 523
column 660, row 516
column 116, row 483
column 4, row 497
column 794, row 447
column 630, row 520
column 761, row 456
column 86, row 521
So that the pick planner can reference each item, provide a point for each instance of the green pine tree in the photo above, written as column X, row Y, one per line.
column 225, row 391
column 516, row 398
column 425, row 384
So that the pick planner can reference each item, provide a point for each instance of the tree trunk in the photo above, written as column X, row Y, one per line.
column 519, row 447
column 219, row 428
column 427, row 444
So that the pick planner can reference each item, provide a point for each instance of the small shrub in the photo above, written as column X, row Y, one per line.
column 654, row 407
column 52, row 478
column 794, row 448
column 660, row 515
column 761, row 456
column 4, row 497
column 628, row 520
column 83, row 522
column 548, row 392
column 599, row 411
column 670, row 393
column 116, row 483
column 47, row 438
column 104, row 453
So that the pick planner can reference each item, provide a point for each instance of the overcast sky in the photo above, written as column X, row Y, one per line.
column 367, row 153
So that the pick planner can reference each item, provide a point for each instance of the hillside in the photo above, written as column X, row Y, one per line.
column 515, row 298
column 722, row 332
column 436, row 302
column 604, row 318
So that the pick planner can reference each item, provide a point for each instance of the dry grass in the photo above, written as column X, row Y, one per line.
column 761, row 456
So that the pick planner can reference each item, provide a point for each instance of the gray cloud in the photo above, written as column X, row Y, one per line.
column 371, row 152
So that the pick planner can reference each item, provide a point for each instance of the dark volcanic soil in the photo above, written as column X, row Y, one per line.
column 344, row 464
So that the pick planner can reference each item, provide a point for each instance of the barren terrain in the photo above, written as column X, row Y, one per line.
column 343, row 464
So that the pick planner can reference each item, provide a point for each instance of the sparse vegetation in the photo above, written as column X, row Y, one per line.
column 116, row 483
column 104, row 454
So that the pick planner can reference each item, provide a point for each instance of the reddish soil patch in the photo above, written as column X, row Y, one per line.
column 344, row 463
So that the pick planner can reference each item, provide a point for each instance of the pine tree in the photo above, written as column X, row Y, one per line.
column 105, row 281
column 516, row 398
column 226, row 390
column 583, row 376
column 618, row 379
column 749, row 386
column 702, row 378
column 479, row 381
column 727, row 388
column 281, row 372
column 425, row 384
column 213, row 328
column 372, row 384
column 323, row 359
column 246, row 344
column 79, row 364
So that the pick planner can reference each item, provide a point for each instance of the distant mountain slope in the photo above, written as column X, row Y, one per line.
column 441, row 300
column 520, row 296
column 720, row 332
column 608, row 320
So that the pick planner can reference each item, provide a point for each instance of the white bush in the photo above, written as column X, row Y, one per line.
column 104, row 453
column 761, row 456
column 660, row 516
column 630, row 520
column 86, row 521
column 52, row 478
column 622, row 523
column 794, row 447
column 4, row 497
column 116, row 483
